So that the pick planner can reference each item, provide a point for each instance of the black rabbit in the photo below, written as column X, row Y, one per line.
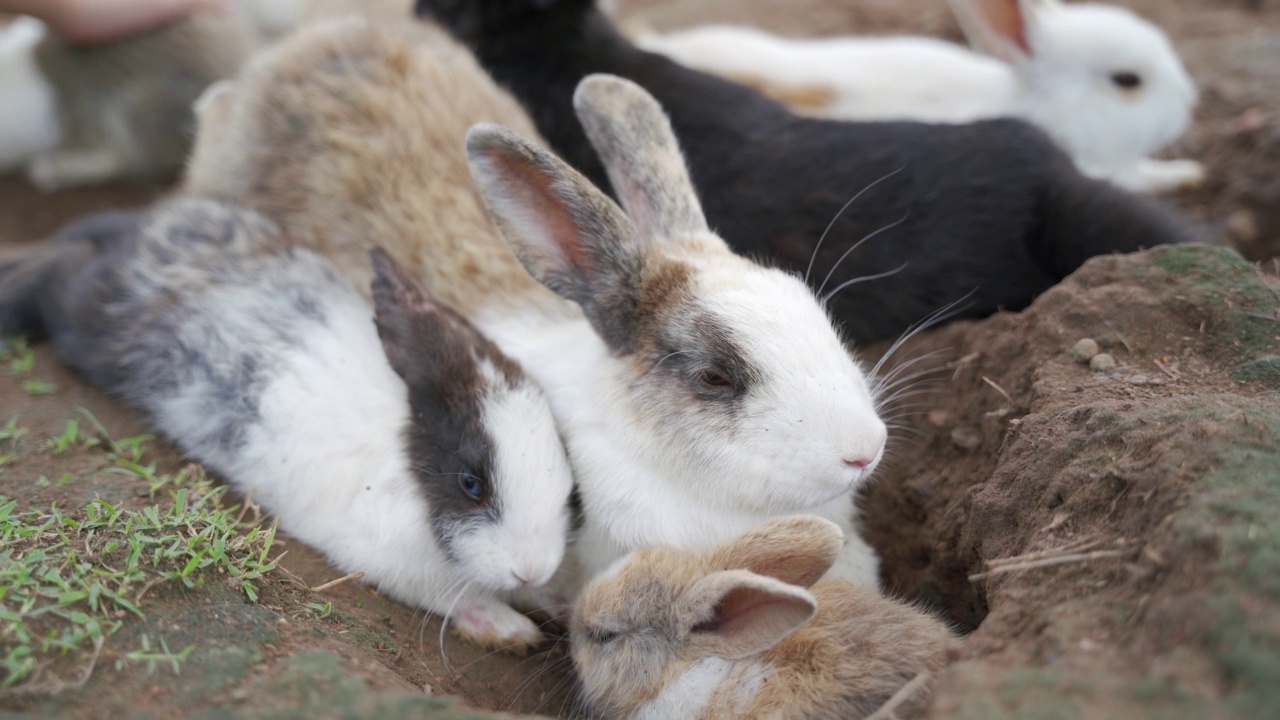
column 991, row 208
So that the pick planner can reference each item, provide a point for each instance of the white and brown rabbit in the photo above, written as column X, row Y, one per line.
column 747, row 630
column 84, row 114
column 1106, row 84
column 699, row 393
column 412, row 449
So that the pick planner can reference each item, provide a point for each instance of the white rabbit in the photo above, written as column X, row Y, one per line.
column 747, row 630
column 1107, row 85
column 698, row 393
column 413, row 451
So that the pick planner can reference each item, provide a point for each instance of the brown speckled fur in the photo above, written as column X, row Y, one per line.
column 351, row 133
column 857, row 651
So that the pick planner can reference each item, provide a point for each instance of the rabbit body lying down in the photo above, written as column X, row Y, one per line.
column 890, row 220
column 1101, row 81
column 747, row 630
column 85, row 114
column 413, row 451
column 698, row 393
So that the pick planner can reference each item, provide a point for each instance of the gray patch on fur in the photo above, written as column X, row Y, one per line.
column 136, row 319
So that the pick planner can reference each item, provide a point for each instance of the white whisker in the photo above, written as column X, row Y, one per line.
column 840, row 212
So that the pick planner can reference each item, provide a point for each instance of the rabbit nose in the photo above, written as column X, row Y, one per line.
column 858, row 463
column 530, row 573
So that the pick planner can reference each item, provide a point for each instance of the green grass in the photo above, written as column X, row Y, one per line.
column 18, row 356
column 71, row 578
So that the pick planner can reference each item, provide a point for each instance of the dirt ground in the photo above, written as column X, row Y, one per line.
column 1110, row 537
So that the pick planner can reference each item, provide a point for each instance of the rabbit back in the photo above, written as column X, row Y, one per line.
column 850, row 78
column 350, row 132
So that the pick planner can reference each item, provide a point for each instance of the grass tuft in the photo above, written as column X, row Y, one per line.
column 70, row 579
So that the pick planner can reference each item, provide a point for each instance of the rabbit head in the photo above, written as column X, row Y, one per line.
column 481, row 439
column 725, row 375
column 659, row 610
column 1105, row 83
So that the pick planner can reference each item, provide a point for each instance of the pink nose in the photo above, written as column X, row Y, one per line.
column 859, row 464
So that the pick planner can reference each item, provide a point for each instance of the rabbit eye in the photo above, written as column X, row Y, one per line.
column 1127, row 80
column 714, row 379
column 600, row 636
column 471, row 486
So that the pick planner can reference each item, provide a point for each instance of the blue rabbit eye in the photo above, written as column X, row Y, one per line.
column 471, row 485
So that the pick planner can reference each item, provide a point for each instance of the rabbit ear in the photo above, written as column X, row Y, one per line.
column 998, row 27
column 566, row 233
column 737, row 614
column 797, row 550
column 635, row 141
column 427, row 344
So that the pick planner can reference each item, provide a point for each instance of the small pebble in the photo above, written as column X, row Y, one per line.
column 1084, row 350
column 939, row 417
column 1102, row 362
column 965, row 438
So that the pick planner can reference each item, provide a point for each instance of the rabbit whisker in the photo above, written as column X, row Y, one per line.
column 865, row 278
column 840, row 212
column 937, row 317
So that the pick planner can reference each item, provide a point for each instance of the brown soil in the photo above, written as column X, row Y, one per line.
column 1154, row 481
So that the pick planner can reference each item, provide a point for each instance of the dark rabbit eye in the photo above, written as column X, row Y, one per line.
column 472, row 486
column 600, row 636
column 714, row 379
column 1126, row 80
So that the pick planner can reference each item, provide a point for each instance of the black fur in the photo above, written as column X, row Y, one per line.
column 436, row 351
column 992, row 208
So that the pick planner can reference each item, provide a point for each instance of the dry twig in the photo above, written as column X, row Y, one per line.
column 334, row 583
column 1047, row 562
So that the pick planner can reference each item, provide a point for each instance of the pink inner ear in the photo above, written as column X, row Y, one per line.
column 1005, row 19
column 533, row 189
column 750, row 620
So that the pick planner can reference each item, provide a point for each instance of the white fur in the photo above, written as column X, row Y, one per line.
column 273, row 17
column 1063, row 84
column 677, row 481
column 733, row 684
column 884, row 78
column 329, row 458
column 29, row 123
column 535, row 481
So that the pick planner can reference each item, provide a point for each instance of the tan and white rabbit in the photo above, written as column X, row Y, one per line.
column 391, row 436
column 1107, row 85
column 747, row 630
column 84, row 114
column 698, row 392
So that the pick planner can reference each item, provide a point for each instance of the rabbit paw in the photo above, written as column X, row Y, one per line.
column 1156, row 176
column 1162, row 175
column 60, row 169
column 496, row 626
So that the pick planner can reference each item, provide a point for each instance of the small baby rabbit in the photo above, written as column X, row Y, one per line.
column 747, row 630
column 699, row 393
column 413, row 450
column 85, row 114
column 889, row 221
column 1104, row 83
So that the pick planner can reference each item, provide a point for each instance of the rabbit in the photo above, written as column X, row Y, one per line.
column 698, row 393
column 412, row 450
column 748, row 630
column 1105, row 84
column 891, row 221
column 87, row 114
